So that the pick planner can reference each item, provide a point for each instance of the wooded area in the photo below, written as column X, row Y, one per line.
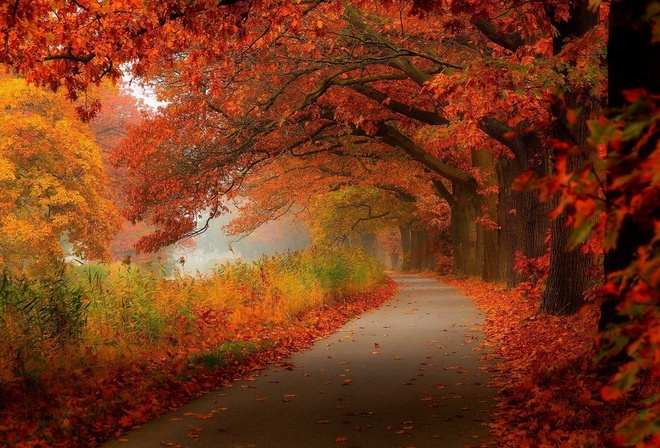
column 512, row 141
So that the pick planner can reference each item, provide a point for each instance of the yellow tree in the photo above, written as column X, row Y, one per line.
column 52, row 181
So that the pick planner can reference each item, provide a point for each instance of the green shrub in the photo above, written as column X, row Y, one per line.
column 38, row 317
column 227, row 353
column 74, row 316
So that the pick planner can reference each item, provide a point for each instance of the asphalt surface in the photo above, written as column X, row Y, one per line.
column 409, row 374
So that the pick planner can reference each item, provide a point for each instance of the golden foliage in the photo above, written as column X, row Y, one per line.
column 52, row 181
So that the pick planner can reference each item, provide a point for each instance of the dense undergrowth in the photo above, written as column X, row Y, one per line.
column 94, row 350
column 549, row 386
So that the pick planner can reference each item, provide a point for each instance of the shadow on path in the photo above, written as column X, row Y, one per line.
column 407, row 374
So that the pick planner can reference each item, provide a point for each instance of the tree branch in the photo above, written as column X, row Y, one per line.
column 409, row 111
column 393, row 137
column 510, row 41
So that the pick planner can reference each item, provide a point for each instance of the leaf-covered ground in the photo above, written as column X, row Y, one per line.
column 549, row 389
column 87, row 407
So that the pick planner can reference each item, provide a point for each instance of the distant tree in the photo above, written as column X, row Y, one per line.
column 52, row 181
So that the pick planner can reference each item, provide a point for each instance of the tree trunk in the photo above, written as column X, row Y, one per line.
column 394, row 260
column 522, row 216
column 568, row 279
column 416, row 251
column 488, row 248
column 421, row 256
column 510, row 214
column 464, row 231
column 405, row 247
column 634, row 62
column 370, row 244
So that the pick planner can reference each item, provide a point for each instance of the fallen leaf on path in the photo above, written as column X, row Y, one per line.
column 375, row 353
column 198, row 415
column 322, row 422
column 125, row 421
column 376, row 345
column 341, row 439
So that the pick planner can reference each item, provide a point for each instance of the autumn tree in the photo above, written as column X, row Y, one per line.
column 406, row 83
column 629, row 312
column 53, row 181
column 351, row 193
column 121, row 111
column 386, row 117
column 336, row 123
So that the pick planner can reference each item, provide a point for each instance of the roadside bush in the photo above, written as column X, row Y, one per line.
column 39, row 319
column 98, row 315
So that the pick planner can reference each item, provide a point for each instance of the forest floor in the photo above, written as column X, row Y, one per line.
column 411, row 373
column 549, row 387
column 359, row 382
column 83, row 407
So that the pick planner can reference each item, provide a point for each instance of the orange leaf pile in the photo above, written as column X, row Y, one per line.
column 549, row 389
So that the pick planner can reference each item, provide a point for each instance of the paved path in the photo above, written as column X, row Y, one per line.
column 406, row 375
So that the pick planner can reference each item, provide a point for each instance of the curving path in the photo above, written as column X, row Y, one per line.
column 406, row 375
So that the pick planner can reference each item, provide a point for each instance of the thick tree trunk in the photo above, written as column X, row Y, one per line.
column 370, row 244
column 421, row 256
column 634, row 62
column 394, row 260
column 464, row 231
column 522, row 216
column 488, row 249
column 416, row 251
column 510, row 218
column 568, row 279
column 404, row 231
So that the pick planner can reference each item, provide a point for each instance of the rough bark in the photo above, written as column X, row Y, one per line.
column 634, row 62
column 508, row 210
column 568, row 276
column 464, row 231
column 421, row 256
column 487, row 237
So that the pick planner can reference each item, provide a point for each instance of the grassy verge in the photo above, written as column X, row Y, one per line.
column 96, row 350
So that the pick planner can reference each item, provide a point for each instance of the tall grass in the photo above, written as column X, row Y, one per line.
column 92, row 316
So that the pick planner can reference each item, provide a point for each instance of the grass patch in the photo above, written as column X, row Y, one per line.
column 92, row 348
column 227, row 353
